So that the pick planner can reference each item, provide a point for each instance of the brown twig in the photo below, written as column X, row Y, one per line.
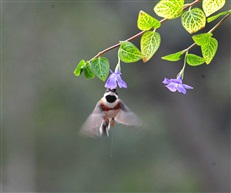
column 138, row 34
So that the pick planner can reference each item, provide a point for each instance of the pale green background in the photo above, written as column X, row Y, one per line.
column 185, row 144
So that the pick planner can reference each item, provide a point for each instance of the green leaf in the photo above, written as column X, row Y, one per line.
column 149, row 43
column 194, row 60
column 129, row 53
column 201, row 39
column 169, row 9
column 212, row 18
column 193, row 20
column 173, row 57
column 208, row 45
column 100, row 67
column 211, row 6
column 79, row 69
column 146, row 21
column 209, row 50
column 88, row 71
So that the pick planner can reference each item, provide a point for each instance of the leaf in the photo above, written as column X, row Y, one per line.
column 150, row 42
column 169, row 9
column 211, row 6
column 194, row 60
column 129, row 53
column 79, row 69
column 212, row 18
column 100, row 67
column 88, row 71
column 193, row 20
column 208, row 45
column 201, row 39
column 173, row 57
column 146, row 21
column 209, row 50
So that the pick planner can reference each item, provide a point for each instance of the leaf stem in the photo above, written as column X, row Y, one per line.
column 138, row 34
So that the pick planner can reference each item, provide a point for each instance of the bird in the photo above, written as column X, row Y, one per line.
column 108, row 110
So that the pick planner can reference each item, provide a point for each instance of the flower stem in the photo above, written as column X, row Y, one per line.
column 138, row 34
column 118, row 67
column 181, row 73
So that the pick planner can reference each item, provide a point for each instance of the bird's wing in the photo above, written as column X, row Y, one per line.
column 127, row 117
column 90, row 128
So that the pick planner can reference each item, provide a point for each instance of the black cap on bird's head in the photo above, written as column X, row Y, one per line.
column 111, row 90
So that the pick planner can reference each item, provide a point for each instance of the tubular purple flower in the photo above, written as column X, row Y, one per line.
column 115, row 79
column 176, row 85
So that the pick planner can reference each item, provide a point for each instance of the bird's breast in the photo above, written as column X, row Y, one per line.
column 110, row 110
column 111, row 113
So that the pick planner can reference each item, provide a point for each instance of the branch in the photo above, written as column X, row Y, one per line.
column 138, row 34
column 219, row 23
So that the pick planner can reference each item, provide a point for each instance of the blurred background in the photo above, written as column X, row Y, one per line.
column 185, row 144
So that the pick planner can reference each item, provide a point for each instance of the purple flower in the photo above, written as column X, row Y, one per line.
column 115, row 78
column 176, row 84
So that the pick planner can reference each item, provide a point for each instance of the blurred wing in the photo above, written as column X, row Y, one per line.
column 127, row 117
column 90, row 128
